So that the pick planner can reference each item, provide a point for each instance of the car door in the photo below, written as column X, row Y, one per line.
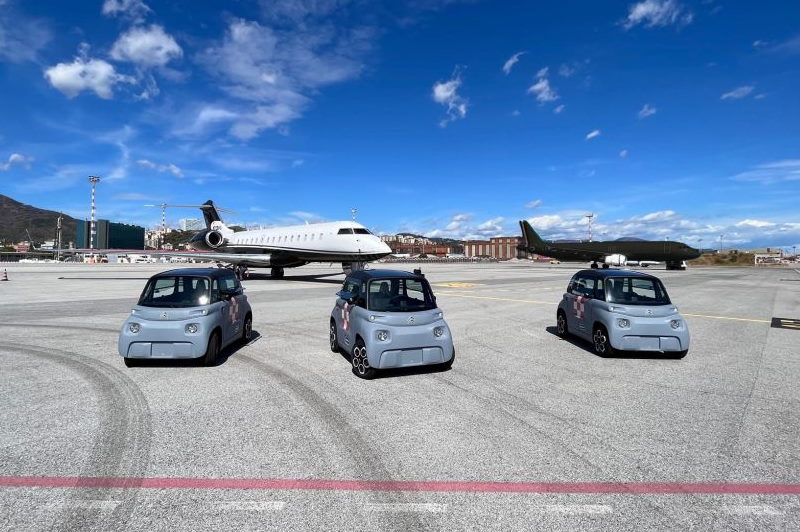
column 579, row 301
column 230, row 316
column 343, row 312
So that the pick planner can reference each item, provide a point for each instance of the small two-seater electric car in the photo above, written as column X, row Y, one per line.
column 622, row 310
column 186, row 313
column 389, row 319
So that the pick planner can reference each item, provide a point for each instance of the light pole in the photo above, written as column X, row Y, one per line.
column 720, row 243
column 93, row 179
column 590, row 216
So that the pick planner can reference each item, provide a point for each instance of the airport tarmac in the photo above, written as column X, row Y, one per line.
column 526, row 432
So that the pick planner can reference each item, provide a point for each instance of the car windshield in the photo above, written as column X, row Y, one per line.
column 400, row 295
column 635, row 291
column 175, row 292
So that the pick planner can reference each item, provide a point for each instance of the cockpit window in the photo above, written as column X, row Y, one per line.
column 361, row 231
column 346, row 231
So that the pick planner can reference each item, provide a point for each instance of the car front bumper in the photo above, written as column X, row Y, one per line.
column 649, row 334
column 409, row 346
column 162, row 340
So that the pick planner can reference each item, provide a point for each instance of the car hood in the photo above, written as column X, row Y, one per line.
column 644, row 311
column 169, row 314
column 401, row 319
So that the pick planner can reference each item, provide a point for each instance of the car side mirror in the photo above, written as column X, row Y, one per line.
column 350, row 297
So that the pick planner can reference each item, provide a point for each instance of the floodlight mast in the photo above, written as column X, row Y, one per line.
column 590, row 216
column 93, row 179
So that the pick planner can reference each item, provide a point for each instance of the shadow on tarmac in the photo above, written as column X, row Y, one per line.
column 392, row 373
column 222, row 357
column 633, row 355
column 316, row 278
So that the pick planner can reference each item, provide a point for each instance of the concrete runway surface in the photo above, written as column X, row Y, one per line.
column 526, row 432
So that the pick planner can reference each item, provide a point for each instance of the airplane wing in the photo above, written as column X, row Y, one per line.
column 230, row 258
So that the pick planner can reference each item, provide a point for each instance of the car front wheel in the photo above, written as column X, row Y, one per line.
column 247, row 329
column 602, row 344
column 361, row 365
column 210, row 358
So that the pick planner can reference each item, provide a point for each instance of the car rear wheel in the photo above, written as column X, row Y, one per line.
column 361, row 365
column 247, row 329
column 561, row 324
column 449, row 363
column 602, row 344
column 210, row 358
column 334, row 339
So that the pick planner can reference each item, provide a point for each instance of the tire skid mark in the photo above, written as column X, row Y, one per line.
column 121, row 448
column 366, row 463
column 60, row 326
column 557, row 441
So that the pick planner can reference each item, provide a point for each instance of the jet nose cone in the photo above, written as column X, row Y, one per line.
column 383, row 247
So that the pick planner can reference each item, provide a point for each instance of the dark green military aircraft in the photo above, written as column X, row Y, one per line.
column 610, row 253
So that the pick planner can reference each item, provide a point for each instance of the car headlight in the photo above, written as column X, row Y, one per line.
column 383, row 335
column 675, row 324
column 438, row 331
column 371, row 317
column 440, row 315
column 191, row 328
column 624, row 323
column 134, row 327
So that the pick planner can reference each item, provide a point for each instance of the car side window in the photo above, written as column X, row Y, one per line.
column 228, row 283
column 583, row 286
column 215, row 291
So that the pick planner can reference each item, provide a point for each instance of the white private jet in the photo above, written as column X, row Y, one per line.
column 284, row 247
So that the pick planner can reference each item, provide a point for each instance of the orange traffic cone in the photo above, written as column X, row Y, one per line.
column 5, row 275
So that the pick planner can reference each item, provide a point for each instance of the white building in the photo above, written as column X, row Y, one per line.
column 190, row 224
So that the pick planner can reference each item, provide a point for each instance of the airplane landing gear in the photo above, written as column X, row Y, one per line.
column 605, row 266
column 594, row 265
column 240, row 271
column 350, row 267
column 277, row 273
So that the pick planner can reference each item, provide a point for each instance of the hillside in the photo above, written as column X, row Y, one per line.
column 15, row 217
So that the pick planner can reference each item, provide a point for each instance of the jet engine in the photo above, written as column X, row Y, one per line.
column 616, row 260
column 207, row 240
column 214, row 239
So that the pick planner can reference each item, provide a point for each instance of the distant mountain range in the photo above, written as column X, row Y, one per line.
column 16, row 217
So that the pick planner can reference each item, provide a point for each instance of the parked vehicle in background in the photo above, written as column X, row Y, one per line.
column 622, row 310
column 389, row 319
column 186, row 313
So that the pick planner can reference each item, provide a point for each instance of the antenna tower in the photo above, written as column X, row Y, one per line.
column 93, row 179
column 590, row 216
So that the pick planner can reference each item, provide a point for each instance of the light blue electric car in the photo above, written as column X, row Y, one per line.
column 389, row 319
column 186, row 313
column 622, row 310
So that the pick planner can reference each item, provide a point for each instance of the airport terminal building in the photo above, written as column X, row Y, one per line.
column 110, row 235
column 500, row 248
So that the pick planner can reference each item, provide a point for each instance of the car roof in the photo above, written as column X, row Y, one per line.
column 384, row 274
column 608, row 272
column 196, row 272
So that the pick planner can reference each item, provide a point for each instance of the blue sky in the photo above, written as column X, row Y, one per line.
column 665, row 118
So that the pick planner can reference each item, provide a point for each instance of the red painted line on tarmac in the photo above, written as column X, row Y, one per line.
column 629, row 488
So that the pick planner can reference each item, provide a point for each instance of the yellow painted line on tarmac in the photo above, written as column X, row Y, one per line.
column 501, row 299
column 754, row 320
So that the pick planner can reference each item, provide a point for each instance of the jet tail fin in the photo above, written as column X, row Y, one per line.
column 532, row 239
column 210, row 213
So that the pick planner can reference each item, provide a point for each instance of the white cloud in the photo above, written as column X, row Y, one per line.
column 623, row 154
column 566, row 71
column 774, row 172
column 460, row 227
column 446, row 93
column 559, row 108
column 273, row 72
column 592, row 134
column 544, row 93
column 758, row 44
column 653, row 13
column 147, row 47
column 161, row 168
column 646, row 111
column 754, row 223
column 16, row 159
column 737, row 93
column 533, row 204
column 509, row 64
column 658, row 216
column 134, row 196
column 85, row 74
column 134, row 10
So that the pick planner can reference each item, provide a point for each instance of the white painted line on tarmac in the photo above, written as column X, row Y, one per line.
column 575, row 509
column 87, row 504
column 251, row 506
column 400, row 507
column 756, row 509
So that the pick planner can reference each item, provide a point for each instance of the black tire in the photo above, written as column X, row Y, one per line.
column 247, row 329
column 449, row 364
column 562, row 330
column 361, row 366
column 210, row 358
column 602, row 344
column 678, row 354
column 131, row 362
column 334, row 337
